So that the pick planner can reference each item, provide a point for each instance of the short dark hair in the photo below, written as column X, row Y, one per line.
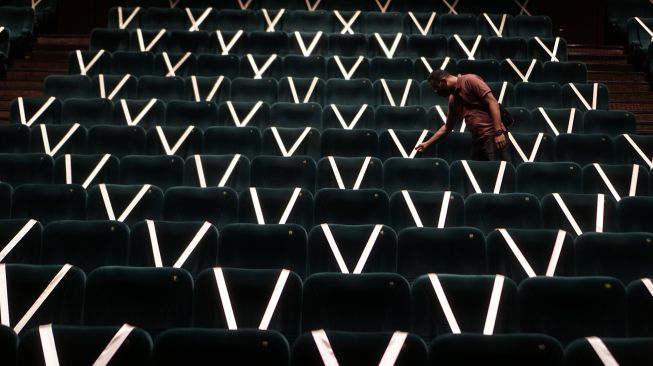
column 437, row 75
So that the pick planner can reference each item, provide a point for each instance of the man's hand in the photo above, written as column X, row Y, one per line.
column 500, row 141
column 423, row 146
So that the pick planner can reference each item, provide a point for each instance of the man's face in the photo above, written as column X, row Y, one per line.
column 441, row 88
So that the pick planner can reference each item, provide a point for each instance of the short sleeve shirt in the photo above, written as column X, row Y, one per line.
column 468, row 102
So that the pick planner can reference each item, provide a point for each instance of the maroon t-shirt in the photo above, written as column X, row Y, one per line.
column 468, row 101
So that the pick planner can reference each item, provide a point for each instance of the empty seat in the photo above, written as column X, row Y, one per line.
column 468, row 177
column 579, row 213
column 531, row 26
column 615, row 180
column 176, row 140
column 35, row 110
column 383, row 22
column 86, row 112
column 400, row 68
column 250, row 346
column 170, row 18
column 488, row 211
column 367, row 302
column 191, row 245
column 260, row 66
column 145, row 41
column 633, row 149
column 570, row 308
column 488, row 70
column 288, row 141
column 154, row 299
column 161, row 170
column 161, row 87
column 585, row 97
column 352, row 249
column 349, row 143
column 279, row 172
column 631, row 351
column 612, row 123
column 24, row 285
column 387, row 44
column 268, row 43
column 545, row 49
column 639, row 300
column 116, row 140
column 542, row 178
column 301, row 90
column 58, row 139
column 401, row 143
column 303, row 45
column 295, row 115
column 520, row 254
column 347, row 45
column 49, row 202
column 254, row 246
column 360, row 348
column 185, row 113
column 111, row 40
column 561, row 120
column 233, row 140
column 89, row 62
column 208, row 88
column 429, row 46
column 349, row 173
column 231, row 171
column 629, row 214
column 499, row 349
column 146, row 113
column 565, row 72
column 515, row 71
column 534, row 95
column 213, row 65
column 85, row 244
column 276, row 205
column 491, row 23
column 124, row 203
column 114, row 87
column 351, row 207
column 452, row 250
column 182, row 41
column 463, row 24
column 249, row 292
column 349, row 92
column 247, row 90
column 309, row 21
column 347, row 67
column 84, row 344
column 443, row 303
column 584, row 148
column 425, row 174
column 347, row 117
column 132, row 63
column 171, row 64
column 17, row 169
column 67, row 86
column 214, row 204
column 399, row 93
column 24, row 235
column 242, row 114
column 470, row 47
column 303, row 67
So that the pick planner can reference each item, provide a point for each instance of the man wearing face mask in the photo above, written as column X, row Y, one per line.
column 470, row 98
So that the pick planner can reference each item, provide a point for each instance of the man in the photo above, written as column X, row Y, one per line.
column 472, row 99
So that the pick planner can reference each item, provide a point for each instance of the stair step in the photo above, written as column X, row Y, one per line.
column 28, row 75
column 62, row 42
column 601, row 76
column 631, row 97
column 20, row 84
column 627, row 86
column 610, row 60
column 5, row 105
column 4, row 115
column 22, row 93
column 609, row 67
column 629, row 106
column 597, row 50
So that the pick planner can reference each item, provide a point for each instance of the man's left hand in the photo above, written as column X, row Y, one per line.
column 500, row 141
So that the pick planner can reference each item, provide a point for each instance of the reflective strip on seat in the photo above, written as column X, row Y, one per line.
column 424, row 31
column 64, row 139
column 498, row 31
column 122, row 24
column 249, row 116
column 307, row 51
column 389, row 53
column 286, row 213
column 271, row 23
column 547, row 50
column 471, row 177
column 602, row 351
column 383, row 8
column 180, row 141
column 172, row 69
column 153, row 42
column 114, row 344
column 294, row 147
column 130, row 207
column 520, row 151
column 227, row 47
column 523, row 77
column 84, row 69
column 48, row 345
column 400, row 147
column 404, row 97
column 359, row 178
column 211, row 94
column 309, row 93
column 567, row 213
column 36, row 115
column 444, row 208
column 595, row 91
column 140, row 115
column 347, row 24
column 115, row 90
column 156, row 252
column 258, row 73
column 452, row 8
column 348, row 74
column 411, row 208
column 94, row 172
column 312, row 7
column 353, row 123
column 360, row 264
column 195, row 24
column 470, row 54
column 17, row 238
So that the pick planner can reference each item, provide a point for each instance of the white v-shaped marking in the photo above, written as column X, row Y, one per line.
column 140, row 115
column 211, row 94
column 472, row 178
column 36, row 115
column 286, row 213
column 173, row 69
column 452, row 8
column 153, row 42
column 130, row 207
column 17, row 238
column 600, row 209
column 309, row 93
column 470, row 54
column 347, row 24
column 383, row 8
column 312, row 7
column 404, row 97
column 225, row 176
column 389, row 356
column 64, row 139
column 570, row 124
column 348, row 74
column 272, row 22
column 195, row 24
column 173, row 3
column 227, row 47
column 364, row 255
column 608, row 183
column 523, row 77
column 122, row 24
column 258, row 73
column 353, row 123
column 116, row 89
column 245, row 5
column 156, row 252
column 94, row 172
column 359, row 179
column 249, row 116
column 498, row 31
column 547, row 50
column 84, row 69
column 294, row 147
column 400, row 147
column 647, row 29
column 428, row 66
column 424, row 31
column 520, row 151
column 389, row 53
column 553, row 261
column 180, row 141
column 307, row 51
column 595, row 92
column 638, row 150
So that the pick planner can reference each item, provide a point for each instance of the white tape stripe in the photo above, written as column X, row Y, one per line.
column 173, row 69
column 173, row 3
column 35, row 116
column 424, row 31
column 249, row 116
column 324, row 348
column 536, row 146
column 354, row 121
column 294, row 147
column 444, row 208
column 311, row 89
column 400, row 147
column 245, row 5
column 347, row 24
column 555, row 255
column 195, row 24
column 214, row 89
column 290, row 205
column 68, row 169
column 567, row 213
column 645, row 27
column 361, row 173
column 123, row 24
column 514, row 248
column 570, row 124
column 334, row 248
column 389, row 53
column 549, row 122
column 227, row 47
column 200, row 171
column 152, row 43
column 84, row 69
column 523, row 77
column 547, row 50
column 395, row 346
column 383, row 8
column 63, row 140
column 500, row 175
column 633, row 181
column 293, row 90
column 498, row 31
column 368, row 249
column 116, row 342
column 17, row 238
column 493, row 307
column 116, row 89
column 404, row 97
column 523, row 7
column 411, row 208
column 224, row 298
column 107, row 202
column 348, row 74
column 180, row 141
column 336, row 172
column 387, row 93
column 647, row 283
column 470, row 54
column 607, row 182
column 272, row 22
column 140, row 115
column 103, row 90
column 4, row 297
column 196, row 89
column 41, row 299
column 274, row 299
column 426, row 64
column 192, row 245
column 258, row 73
column 502, row 93
column 257, row 206
column 444, row 303
column 312, row 7
column 308, row 51
column 309, row 93
column 639, row 151
column 602, row 351
column 227, row 173
column 600, row 209
column 443, row 117
column 154, row 243
column 48, row 345
column 134, row 202
column 595, row 93
column 452, row 8
column 470, row 175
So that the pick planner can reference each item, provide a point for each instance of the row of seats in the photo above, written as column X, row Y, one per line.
column 412, row 252
column 265, row 171
column 317, row 44
column 157, row 299
column 440, row 6
column 261, row 347
column 231, row 66
column 19, row 21
column 199, row 19
column 356, row 92
column 575, row 213
column 44, row 12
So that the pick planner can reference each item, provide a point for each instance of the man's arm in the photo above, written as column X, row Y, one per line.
column 442, row 131
column 495, row 113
